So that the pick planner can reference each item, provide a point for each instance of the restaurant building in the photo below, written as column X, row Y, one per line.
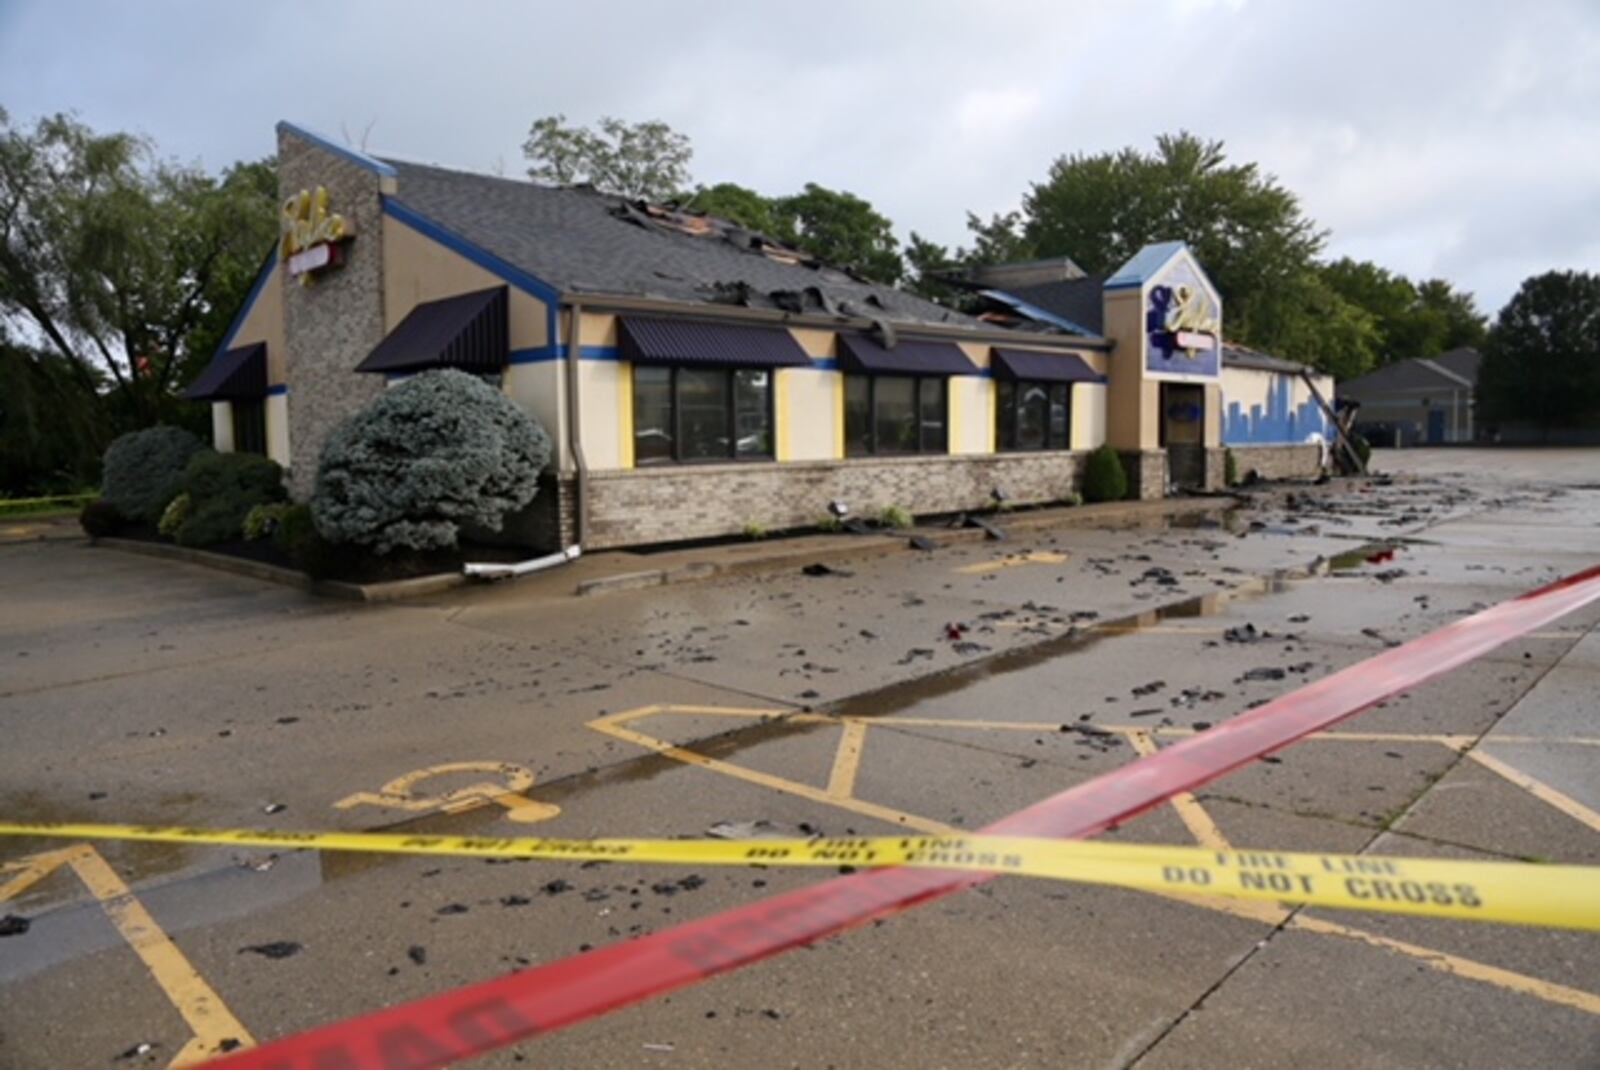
column 696, row 377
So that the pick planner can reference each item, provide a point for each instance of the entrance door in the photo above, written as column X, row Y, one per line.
column 1435, row 425
column 1183, row 425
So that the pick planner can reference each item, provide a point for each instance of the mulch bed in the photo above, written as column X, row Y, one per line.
column 354, row 567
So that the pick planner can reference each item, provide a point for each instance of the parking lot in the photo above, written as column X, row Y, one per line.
column 926, row 691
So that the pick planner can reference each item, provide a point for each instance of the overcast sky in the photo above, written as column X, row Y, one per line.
column 1459, row 139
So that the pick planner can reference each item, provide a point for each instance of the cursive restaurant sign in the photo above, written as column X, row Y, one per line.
column 313, row 238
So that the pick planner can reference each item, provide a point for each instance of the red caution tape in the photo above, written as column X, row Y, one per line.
column 451, row 1026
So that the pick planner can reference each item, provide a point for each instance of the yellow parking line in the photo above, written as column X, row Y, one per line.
column 1539, row 789
column 1198, row 822
column 1036, row 557
column 791, row 787
column 1472, row 970
column 208, row 1018
column 847, row 760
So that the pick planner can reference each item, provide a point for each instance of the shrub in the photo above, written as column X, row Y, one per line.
column 144, row 470
column 1072, row 499
column 1230, row 469
column 1103, row 477
column 893, row 516
column 830, row 523
column 754, row 530
column 224, row 487
column 297, row 538
column 175, row 514
column 1363, row 448
column 263, row 520
column 100, row 519
column 440, row 450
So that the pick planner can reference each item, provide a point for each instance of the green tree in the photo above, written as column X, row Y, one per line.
column 930, row 263
column 1456, row 313
column 1412, row 320
column 737, row 204
column 640, row 161
column 843, row 229
column 1542, row 360
column 1311, row 322
column 1246, row 229
column 52, row 426
column 123, row 264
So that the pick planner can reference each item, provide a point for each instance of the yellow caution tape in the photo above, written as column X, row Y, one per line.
column 1565, row 897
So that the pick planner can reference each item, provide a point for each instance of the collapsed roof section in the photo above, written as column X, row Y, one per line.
column 582, row 241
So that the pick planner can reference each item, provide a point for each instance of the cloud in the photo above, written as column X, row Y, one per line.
column 1437, row 138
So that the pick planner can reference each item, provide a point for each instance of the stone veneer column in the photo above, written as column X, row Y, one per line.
column 331, row 324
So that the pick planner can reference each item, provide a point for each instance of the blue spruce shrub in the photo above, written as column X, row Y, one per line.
column 437, row 452
column 144, row 470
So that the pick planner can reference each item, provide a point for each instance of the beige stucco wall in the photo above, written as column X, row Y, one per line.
column 222, row 426
column 417, row 269
column 264, row 323
column 539, row 390
column 277, row 428
column 1132, row 402
column 1252, row 388
column 806, row 414
column 1088, row 415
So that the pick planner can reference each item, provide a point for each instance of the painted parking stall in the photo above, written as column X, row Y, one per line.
column 458, row 1024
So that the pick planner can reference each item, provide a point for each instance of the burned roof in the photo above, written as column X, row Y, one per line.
column 582, row 241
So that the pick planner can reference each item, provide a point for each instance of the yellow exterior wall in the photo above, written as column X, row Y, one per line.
column 264, row 323
column 278, row 428
column 1088, row 415
column 222, row 426
column 417, row 269
column 810, row 414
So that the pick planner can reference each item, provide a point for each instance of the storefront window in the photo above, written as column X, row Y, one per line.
column 701, row 414
column 886, row 415
column 250, row 426
column 1033, row 415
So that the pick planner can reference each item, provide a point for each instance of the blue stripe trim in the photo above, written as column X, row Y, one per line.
column 277, row 390
column 478, row 255
column 360, row 159
column 249, row 302
column 542, row 354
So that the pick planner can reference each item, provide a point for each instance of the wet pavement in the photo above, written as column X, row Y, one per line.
column 914, row 690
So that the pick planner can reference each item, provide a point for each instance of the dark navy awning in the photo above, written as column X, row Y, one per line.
column 910, row 356
column 237, row 375
column 652, row 340
column 1043, row 367
column 468, row 332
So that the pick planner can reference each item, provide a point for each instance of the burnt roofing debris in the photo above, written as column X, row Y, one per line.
column 579, row 240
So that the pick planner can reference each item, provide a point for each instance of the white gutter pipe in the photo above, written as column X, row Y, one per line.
column 504, row 570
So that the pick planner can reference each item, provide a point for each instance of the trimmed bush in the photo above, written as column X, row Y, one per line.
column 100, row 519
column 144, row 470
column 1230, row 469
column 437, row 452
column 262, row 520
column 223, row 488
column 1103, row 477
column 175, row 514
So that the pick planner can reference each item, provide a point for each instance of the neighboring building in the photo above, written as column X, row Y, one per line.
column 1420, row 401
column 694, row 376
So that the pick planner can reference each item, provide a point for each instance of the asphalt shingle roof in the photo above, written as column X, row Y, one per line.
column 1078, row 301
column 584, row 242
column 1455, row 370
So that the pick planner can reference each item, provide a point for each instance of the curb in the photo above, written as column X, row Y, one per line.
column 876, row 545
column 222, row 562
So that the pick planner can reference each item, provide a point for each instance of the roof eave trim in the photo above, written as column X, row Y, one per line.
column 267, row 267
column 602, row 302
